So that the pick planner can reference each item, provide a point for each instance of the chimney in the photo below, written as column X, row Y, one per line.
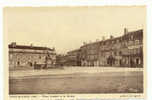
column 13, row 44
column 53, row 48
column 84, row 43
column 125, row 31
column 31, row 45
column 111, row 37
column 103, row 38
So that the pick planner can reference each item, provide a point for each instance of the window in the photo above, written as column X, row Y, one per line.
column 132, row 37
column 120, row 52
column 11, row 56
column 112, row 42
column 137, row 61
column 137, row 42
column 118, row 41
column 115, row 53
column 18, row 63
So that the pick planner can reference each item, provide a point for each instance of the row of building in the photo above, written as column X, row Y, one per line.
column 125, row 50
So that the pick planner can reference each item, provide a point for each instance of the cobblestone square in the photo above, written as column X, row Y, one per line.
column 77, row 80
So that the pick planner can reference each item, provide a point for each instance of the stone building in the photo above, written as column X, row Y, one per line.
column 73, row 58
column 27, row 56
column 61, row 60
column 125, row 50
column 89, row 54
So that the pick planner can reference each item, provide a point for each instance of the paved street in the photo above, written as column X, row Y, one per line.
column 77, row 80
column 69, row 70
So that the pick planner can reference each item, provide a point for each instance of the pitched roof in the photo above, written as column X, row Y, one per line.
column 137, row 33
column 28, row 47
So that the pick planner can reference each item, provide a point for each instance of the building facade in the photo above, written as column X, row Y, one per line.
column 61, row 60
column 73, row 58
column 27, row 56
column 89, row 54
column 126, row 51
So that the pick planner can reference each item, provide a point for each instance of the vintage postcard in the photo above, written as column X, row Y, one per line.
column 75, row 53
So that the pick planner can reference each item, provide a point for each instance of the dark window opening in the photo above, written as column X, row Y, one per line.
column 120, row 62
column 18, row 63
column 30, row 63
column 137, row 61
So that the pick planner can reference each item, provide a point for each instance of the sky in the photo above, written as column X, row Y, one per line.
column 66, row 28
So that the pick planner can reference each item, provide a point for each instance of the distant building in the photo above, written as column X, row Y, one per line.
column 61, row 60
column 27, row 56
column 89, row 54
column 73, row 58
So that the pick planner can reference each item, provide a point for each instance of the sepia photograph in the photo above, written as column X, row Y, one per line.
column 75, row 50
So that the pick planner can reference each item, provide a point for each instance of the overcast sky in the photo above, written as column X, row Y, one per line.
column 66, row 28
